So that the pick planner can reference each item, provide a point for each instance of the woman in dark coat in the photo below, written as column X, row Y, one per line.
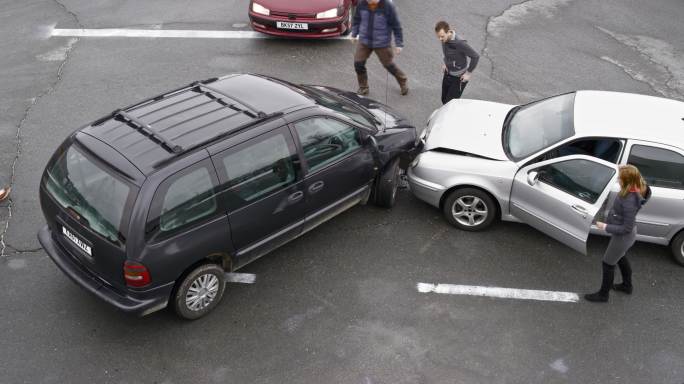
column 621, row 224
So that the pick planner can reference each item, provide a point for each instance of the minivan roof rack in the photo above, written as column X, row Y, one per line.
column 252, row 110
column 142, row 126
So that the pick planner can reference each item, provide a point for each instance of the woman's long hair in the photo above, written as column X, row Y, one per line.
column 630, row 179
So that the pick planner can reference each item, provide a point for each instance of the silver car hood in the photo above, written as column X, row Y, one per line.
column 471, row 126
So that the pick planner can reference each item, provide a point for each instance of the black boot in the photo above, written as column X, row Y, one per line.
column 602, row 295
column 626, row 272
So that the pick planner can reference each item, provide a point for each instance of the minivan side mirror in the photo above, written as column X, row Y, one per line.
column 532, row 177
column 368, row 138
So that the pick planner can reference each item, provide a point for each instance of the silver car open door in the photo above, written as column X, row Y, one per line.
column 562, row 196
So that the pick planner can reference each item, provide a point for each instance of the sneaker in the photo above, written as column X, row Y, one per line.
column 404, row 90
column 363, row 91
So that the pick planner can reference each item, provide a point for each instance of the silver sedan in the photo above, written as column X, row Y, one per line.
column 553, row 163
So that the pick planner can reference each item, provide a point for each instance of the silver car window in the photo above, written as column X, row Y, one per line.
column 659, row 167
column 538, row 125
column 579, row 177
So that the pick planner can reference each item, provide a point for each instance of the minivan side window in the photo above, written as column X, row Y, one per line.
column 325, row 140
column 258, row 167
column 581, row 178
column 659, row 167
column 183, row 199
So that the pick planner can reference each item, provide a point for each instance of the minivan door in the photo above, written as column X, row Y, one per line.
column 262, row 190
column 561, row 197
column 339, row 166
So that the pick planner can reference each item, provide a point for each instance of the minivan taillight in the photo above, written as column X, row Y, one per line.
column 136, row 274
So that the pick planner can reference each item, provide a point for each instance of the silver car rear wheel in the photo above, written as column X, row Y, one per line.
column 469, row 209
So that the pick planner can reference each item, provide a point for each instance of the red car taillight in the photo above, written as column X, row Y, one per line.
column 136, row 274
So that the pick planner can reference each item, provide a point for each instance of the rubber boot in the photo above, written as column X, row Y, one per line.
column 607, row 282
column 363, row 83
column 626, row 272
column 403, row 85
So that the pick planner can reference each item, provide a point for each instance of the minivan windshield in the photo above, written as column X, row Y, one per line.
column 533, row 127
column 80, row 184
column 340, row 105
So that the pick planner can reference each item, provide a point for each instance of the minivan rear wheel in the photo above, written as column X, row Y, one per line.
column 386, row 185
column 200, row 291
column 678, row 248
column 469, row 209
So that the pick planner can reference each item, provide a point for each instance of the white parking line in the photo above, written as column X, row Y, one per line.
column 504, row 293
column 244, row 278
column 162, row 33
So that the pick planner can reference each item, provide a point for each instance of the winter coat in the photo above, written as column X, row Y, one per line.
column 375, row 28
column 622, row 216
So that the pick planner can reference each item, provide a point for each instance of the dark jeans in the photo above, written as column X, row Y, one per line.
column 452, row 87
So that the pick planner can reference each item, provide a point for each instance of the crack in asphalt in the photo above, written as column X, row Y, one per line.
column 485, row 49
column 633, row 42
column 23, row 120
column 17, row 250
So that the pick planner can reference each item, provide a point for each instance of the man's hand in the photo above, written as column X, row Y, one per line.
column 601, row 225
column 465, row 77
column 444, row 68
column 397, row 50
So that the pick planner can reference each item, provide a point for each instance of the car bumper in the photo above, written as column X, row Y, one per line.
column 317, row 29
column 150, row 301
column 425, row 190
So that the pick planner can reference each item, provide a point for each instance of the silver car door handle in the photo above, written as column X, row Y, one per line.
column 317, row 186
column 295, row 197
column 580, row 209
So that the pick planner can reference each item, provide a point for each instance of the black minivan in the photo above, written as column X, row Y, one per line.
column 153, row 204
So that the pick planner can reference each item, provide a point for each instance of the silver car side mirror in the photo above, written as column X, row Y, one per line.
column 532, row 177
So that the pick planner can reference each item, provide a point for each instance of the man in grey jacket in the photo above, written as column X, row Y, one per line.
column 460, row 61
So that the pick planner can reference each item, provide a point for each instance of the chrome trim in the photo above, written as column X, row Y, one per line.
column 269, row 238
column 652, row 223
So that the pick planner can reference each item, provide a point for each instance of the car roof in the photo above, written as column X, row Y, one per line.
column 629, row 116
column 154, row 132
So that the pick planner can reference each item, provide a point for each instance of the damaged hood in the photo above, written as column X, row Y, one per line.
column 471, row 126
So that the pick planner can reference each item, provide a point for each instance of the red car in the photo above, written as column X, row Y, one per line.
column 302, row 18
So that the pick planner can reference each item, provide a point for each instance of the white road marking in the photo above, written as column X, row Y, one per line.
column 504, row 293
column 163, row 33
column 173, row 33
column 244, row 278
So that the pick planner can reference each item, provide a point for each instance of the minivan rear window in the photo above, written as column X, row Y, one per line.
column 101, row 199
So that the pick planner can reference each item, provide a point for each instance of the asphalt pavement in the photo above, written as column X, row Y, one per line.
column 339, row 304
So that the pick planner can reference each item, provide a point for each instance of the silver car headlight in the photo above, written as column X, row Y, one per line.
column 260, row 9
column 330, row 13
column 415, row 162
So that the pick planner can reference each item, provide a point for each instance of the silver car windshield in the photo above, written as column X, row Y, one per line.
column 538, row 125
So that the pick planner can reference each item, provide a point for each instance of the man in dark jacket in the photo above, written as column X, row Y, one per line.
column 460, row 61
column 375, row 21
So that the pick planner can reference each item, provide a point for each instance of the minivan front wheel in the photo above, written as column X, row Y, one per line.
column 469, row 209
column 386, row 185
column 200, row 291
column 678, row 248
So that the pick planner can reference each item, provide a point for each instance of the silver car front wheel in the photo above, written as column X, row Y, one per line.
column 469, row 209
column 678, row 248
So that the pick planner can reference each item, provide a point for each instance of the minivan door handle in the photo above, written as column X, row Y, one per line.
column 317, row 186
column 580, row 209
column 295, row 197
